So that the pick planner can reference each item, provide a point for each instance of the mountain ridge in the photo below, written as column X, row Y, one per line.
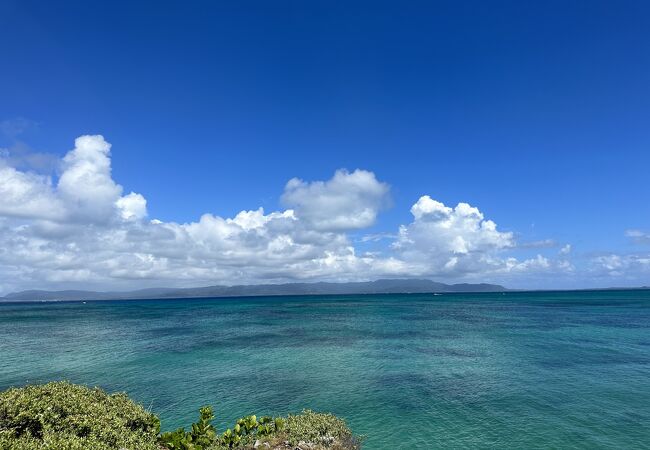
column 381, row 286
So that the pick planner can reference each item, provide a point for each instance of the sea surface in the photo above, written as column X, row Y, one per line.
column 518, row 370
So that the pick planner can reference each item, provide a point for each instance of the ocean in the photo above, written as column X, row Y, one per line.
column 414, row 371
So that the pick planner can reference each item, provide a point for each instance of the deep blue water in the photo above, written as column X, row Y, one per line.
column 521, row 370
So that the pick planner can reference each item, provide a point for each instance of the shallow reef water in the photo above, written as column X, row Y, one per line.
column 514, row 370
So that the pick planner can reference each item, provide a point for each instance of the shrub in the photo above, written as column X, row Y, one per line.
column 201, row 437
column 64, row 416
column 247, row 430
column 318, row 428
column 61, row 415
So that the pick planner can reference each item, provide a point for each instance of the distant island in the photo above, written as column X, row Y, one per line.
column 384, row 286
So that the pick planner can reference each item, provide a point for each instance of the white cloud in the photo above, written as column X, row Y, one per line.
column 27, row 195
column 450, row 240
column 638, row 236
column 376, row 237
column 132, row 206
column 85, row 192
column 544, row 243
column 348, row 201
column 21, row 156
column 630, row 266
column 565, row 250
column 86, row 185
column 81, row 231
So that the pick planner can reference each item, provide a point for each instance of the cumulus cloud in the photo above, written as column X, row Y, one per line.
column 132, row 206
column 86, row 185
column 27, row 195
column 346, row 202
column 85, row 192
column 442, row 239
column 626, row 269
column 82, row 230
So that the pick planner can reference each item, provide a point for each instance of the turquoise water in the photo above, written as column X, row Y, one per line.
column 521, row 370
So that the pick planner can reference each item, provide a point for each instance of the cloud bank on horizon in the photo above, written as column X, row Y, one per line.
column 84, row 231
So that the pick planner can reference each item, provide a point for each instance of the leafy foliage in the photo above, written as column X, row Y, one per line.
column 318, row 428
column 268, row 425
column 248, row 429
column 61, row 415
column 64, row 416
column 202, row 436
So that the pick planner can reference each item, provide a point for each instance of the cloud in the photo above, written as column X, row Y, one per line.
column 20, row 155
column 12, row 128
column 459, row 243
column 85, row 192
column 565, row 250
column 377, row 237
column 348, row 201
column 638, row 236
column 82, row 231
column 27, row 195
column 456, row 240
column 132, row 206
column 86, row 184
column 544, row 243
column 625, row 266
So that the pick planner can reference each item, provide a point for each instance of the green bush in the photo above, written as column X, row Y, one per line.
column 202, row 436
column 247, row 430
column 64, row 416
column 318, row 428
column 60, row 415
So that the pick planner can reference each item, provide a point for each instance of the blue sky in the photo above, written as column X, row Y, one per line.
column 536, row 113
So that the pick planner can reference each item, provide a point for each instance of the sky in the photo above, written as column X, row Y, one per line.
column 198, row 143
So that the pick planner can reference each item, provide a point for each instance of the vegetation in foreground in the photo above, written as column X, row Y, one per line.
column 64, row 416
